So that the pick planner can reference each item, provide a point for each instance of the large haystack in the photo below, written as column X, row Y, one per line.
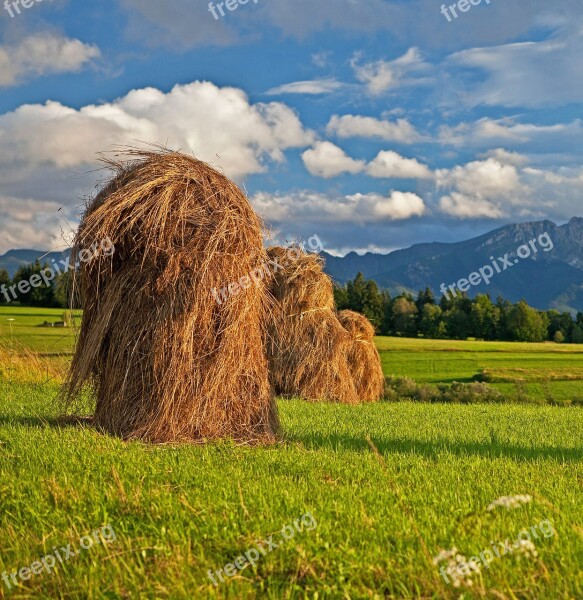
column 166, row 360
column 363, row 357
column 307, row 347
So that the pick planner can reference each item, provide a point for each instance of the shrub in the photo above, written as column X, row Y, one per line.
column 404, row 388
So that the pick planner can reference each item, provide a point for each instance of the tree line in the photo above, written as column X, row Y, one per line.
column 54, row 295
column 457, row 318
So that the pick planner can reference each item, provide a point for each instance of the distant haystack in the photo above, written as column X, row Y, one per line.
column 307, row 346
column 167, row 362
column 363, row 357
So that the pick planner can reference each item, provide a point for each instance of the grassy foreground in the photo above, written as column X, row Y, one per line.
column 179, row 511
column 376, row 520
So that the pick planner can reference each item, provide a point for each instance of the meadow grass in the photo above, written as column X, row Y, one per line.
column 178, row 511
column 545, row 372
column 22, row 325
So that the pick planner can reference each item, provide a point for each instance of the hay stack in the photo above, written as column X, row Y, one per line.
column 363, row 357
column 307, row 346
column 167, row 362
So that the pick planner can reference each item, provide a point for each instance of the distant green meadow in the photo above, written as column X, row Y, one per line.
column 545, row 372
column 22, row 326
column 388, row 486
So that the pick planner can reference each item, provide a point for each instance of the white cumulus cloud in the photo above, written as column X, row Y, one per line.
column 382, row 75
column 314, row 207
column 481, row 188
column 218, row 125
column 43, row 54
column 328, row 160
column 348, row 126
column 311, row 87
column 390, row 164
column 49, row 151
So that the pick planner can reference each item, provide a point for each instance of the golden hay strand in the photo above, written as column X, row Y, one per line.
column 363, row 357
column 307, row 346
column 166, row 361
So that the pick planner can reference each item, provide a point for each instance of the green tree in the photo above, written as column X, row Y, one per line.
column 356, row 291
column 34, row 295
column 457, row 317
column 504, row 307
column 431, row 324
column 24, row 273
column 457, row 324
column 404, row 316
column 562, row 322
column 577, row 335
column 388, row 323
column 4, row 281
column 340, row 297
column 423, row 297
column 484, row 318
column 526, row 324
column 372, row 305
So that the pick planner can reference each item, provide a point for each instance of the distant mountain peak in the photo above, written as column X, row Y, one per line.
column 552, row 279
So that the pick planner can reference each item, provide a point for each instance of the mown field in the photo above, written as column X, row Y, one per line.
column 379, row 518
column 545, row 372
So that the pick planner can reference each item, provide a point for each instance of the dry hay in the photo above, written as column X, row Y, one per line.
column 363, row 356
column 20, row 364
column 307, row 346
column 166, row 361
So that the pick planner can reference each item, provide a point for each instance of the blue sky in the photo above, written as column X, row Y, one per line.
column 375, row 125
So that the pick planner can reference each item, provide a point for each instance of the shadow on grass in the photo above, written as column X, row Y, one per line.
column 312, row 441
column 42, row 422
column 494, row 449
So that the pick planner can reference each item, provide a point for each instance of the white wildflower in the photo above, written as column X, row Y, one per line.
column 444, row 555
column 458, row 568
column 510, row 502
column 526, row 547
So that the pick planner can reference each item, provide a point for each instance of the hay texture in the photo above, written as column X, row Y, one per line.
column 363, row 357
column 307, row 345
column 166, row 361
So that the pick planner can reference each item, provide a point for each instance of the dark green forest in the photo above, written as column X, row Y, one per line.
column 404, row 315
column 456, row 318
column 55, row 295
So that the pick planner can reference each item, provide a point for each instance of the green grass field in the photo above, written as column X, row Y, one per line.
column 22, row 326
column 377, row 519
column 543, row 372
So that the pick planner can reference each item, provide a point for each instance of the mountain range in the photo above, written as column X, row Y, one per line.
column 546, row 279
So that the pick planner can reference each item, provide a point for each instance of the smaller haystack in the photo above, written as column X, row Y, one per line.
column 307, row 345
column 363, row 357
